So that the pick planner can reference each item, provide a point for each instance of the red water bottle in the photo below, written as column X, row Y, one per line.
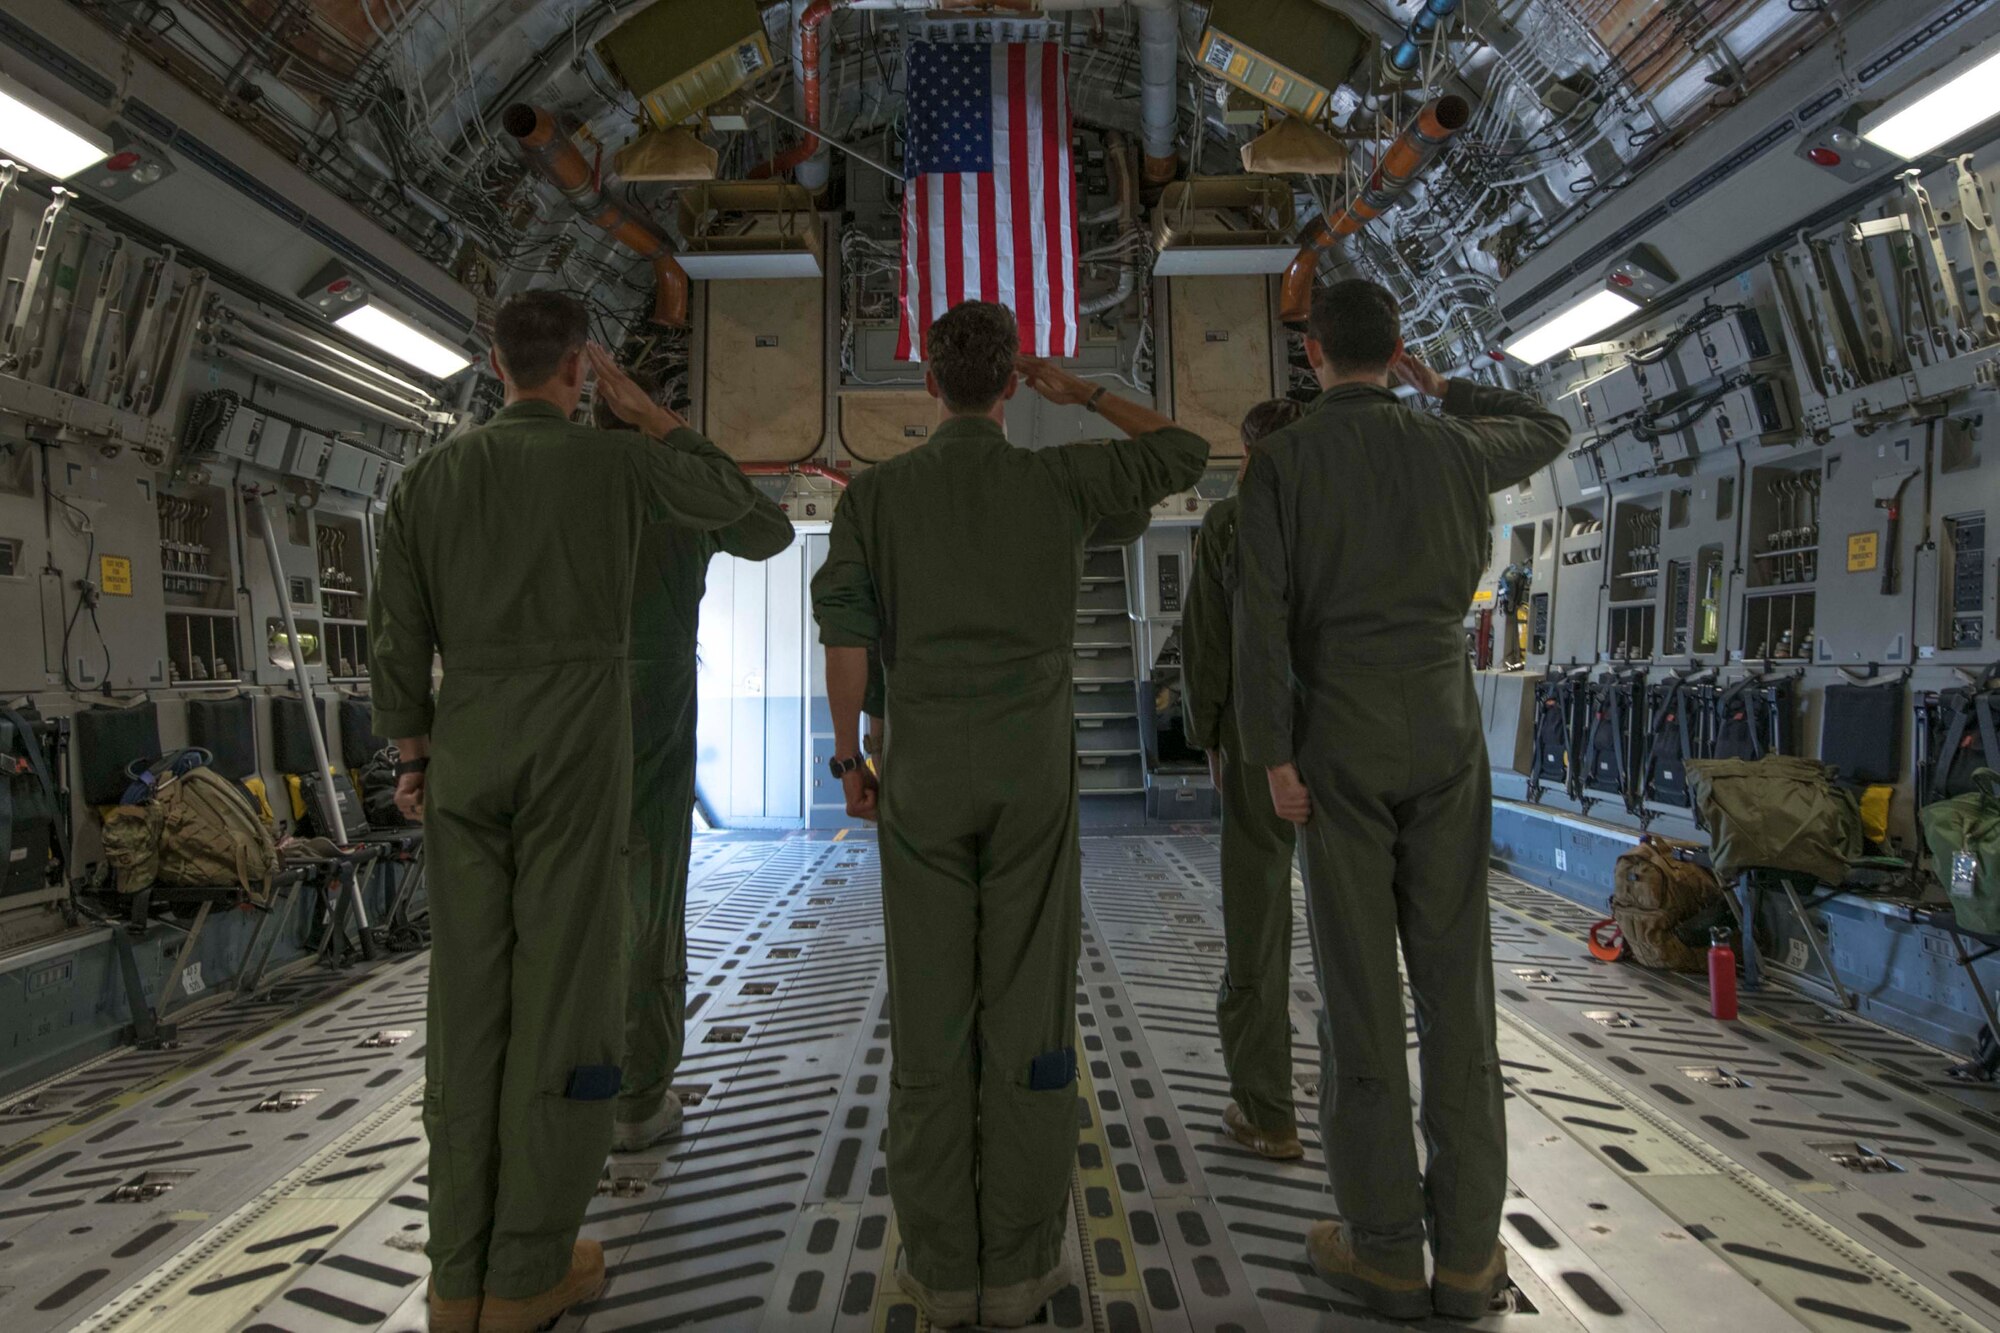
column 1721, row 975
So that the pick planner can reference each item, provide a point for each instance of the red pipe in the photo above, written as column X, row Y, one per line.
column 555, row 156
column 1434, row 127
column 833, row 474
column 810, row 22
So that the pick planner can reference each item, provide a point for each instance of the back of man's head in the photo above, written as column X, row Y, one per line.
column 1357, row 327
column 970, row 356
column 535, row 334
column 1271, row 415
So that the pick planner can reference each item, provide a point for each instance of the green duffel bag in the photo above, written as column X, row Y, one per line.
column 1776, row 813
column 1963, row 833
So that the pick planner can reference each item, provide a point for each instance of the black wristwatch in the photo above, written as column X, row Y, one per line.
column 1096, row 398
column 405, row 767
column 840, row 768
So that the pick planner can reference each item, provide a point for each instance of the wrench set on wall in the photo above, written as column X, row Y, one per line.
column 88, row 317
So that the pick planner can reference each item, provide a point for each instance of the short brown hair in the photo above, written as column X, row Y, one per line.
column 534, row 331
column 971, row 351
column 1356, row 325
column 1271, row 415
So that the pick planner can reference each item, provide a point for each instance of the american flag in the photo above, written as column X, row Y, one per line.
column 989, row 213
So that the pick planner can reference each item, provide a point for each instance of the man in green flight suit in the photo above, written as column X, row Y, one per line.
column 1253, row 1004
column 1361, row 540
column 666, row 604
column 508, row 553
column 962, row 560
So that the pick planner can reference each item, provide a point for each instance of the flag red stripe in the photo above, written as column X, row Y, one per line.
column 989, row 240
column 920, row 190
column 954, row 241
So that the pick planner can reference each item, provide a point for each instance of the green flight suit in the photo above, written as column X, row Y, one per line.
column 509, row 554
column 962, row 559
column 1253, row 1003
column 1360, row 545
column 666, row 606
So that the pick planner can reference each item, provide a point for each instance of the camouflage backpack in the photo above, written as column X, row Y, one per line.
column 198, row 831
column 1655, row 892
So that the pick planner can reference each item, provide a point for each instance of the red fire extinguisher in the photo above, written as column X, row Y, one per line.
column 1721, row 975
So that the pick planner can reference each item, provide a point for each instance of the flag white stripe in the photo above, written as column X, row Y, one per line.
column 913, row 280
column 1038, row 232
column 969, row 236
column 938, row 294
column 1068, row 271
column 1003, row 178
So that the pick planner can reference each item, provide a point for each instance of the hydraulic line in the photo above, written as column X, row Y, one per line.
column 1435, row 126
column 555, row 156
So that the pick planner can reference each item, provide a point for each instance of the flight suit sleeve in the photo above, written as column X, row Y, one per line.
column 759, row 534
column 686, row 480
column 401, row 631
column 1513, row 434
column 1205, row 643
column 1263, row 675
column 1120, row 529
column 1116, row 483
column 843, row 591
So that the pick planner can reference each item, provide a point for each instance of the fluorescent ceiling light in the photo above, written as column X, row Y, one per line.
column 1941, row 111
column 37, row 133
column 378, row 327
column 1571, row 325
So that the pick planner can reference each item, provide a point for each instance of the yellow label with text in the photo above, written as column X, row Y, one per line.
column 1863, row 552
column 1484, row 597
column 114, row 575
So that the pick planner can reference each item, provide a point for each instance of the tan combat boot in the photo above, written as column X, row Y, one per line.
column 1279, row 1147
column 1470, row 1295
column 585, row 1279
column 1333, row 1258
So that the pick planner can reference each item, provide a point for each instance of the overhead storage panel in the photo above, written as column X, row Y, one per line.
column 765, row 377
column 878, row 424
column 1222, row 357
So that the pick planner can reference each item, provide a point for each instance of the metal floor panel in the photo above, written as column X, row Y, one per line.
column 1800, row 1168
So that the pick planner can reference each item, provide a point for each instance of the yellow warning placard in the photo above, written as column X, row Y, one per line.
column 1863, row 552
column 1484, row 597
column 114, row 575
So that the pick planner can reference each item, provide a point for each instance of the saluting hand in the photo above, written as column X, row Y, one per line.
column 630, row 403
column 1052, row 382
column 1418, row 375
column 1289, row 796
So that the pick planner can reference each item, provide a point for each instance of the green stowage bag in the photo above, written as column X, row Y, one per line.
column 1776, row 813
column 1963, row 833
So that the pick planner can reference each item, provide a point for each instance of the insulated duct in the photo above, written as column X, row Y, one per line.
column 1434, row 127
column 555, row 156
column 1411, row 49
column 1159, row 59
column 808, row 157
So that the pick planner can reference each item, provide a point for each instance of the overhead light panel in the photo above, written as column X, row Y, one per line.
column 37, row 133
column 377, row 326
column 1581, row 319
column 1959, row 97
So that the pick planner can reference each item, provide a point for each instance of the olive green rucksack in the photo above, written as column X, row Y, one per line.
column 1776, row 813
column 198, row 831
column 1968, row 827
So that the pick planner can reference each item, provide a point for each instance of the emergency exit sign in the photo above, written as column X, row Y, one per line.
column 114, row 575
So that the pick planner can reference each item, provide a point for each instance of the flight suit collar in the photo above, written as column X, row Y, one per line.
column 968, row 428
column 529, row 409
column 1352, row 393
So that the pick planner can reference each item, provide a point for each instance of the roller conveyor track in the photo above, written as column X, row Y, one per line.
column 1799, row 1168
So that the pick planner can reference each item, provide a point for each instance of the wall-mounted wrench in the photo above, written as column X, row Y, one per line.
column 26, row 328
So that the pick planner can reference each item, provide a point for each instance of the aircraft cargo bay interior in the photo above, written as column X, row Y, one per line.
column 883, row 665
